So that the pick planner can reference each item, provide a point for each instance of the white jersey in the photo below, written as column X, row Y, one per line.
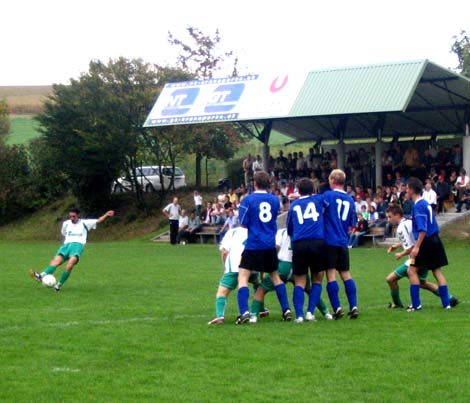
column 234, row 243
column 405, row 235
column 77, row 232
column 283, row 241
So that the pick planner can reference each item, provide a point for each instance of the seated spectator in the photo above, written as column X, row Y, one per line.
column 194, row 225
column 461, row 183
column 359, row 203
column 407, row 205
column 365, row 212
column 464, row 198
column 442, row 191
column 373, row 220
column 358, row 231
column 183, row 223
column 206, row 217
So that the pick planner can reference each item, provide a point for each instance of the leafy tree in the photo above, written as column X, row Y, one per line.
column 461, row 47
column 4, row 120
column 201, row 57
column 15, row 194
column 94, row 126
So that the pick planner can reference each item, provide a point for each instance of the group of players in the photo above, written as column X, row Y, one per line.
column 315, row 242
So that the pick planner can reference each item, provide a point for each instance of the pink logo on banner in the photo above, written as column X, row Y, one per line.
column 275, row 87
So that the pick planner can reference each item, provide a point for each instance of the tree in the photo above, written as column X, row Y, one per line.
column 4, row 120
column 94, row 126
column 461, row 47
column 201, row 58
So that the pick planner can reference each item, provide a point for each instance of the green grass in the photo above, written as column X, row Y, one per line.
column 22, row 130
column 130, row 325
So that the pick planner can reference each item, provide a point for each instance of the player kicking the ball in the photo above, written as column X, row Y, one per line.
column 258, row 213
column 407, row 241
column 75, row 232
column 231, row 247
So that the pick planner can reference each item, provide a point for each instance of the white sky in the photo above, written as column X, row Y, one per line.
column 50, row 41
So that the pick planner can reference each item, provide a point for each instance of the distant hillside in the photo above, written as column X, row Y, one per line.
column 25, row 99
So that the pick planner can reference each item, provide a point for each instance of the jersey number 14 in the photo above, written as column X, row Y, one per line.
column 309, row 213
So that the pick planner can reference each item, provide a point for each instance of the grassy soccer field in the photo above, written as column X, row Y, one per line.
column 130, row 326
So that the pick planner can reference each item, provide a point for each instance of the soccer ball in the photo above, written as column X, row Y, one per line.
column 49, row 280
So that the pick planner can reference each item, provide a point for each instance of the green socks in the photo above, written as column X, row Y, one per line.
column 396, row 297
column 220, row 304
column 64, row 277
column 49, row 270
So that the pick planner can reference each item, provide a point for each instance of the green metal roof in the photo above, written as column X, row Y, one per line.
column 413, row 98
column 361, row 89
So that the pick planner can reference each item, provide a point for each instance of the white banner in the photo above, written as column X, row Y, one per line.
column 250, row 97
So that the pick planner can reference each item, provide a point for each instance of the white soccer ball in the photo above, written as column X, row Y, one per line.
column 49, row 280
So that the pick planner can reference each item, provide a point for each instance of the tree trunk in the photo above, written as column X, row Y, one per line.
column 198, row 169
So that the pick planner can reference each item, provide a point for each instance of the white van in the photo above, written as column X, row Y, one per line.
column 149, row 179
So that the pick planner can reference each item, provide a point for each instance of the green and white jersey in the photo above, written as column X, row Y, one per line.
column 234, row 244
column 283, row 241
column 77, row 232
column 405, row 235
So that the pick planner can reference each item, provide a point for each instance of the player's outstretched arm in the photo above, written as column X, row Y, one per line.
column 109, row 213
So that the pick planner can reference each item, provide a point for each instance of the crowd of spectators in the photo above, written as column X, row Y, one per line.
column 439, row 168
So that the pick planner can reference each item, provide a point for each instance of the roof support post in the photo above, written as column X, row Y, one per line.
column 264, row 137
column 466, row 143
column 378, row 158
column 340, row 152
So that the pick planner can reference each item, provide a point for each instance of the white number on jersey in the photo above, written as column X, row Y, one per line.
column 343, row 209
column 310, row 212
column 430, row 214
column 265, row 214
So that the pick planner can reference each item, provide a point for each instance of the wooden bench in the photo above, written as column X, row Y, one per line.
column 374, row 233
column 449, row 203
column 208, row 232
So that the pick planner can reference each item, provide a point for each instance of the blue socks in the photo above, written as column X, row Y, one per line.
column 242, row 297
column 414, row 294
column 298, row 300
column 281, row 296
column 444, row 294
column 333, row 294
column 314, row 297
column 351, row 293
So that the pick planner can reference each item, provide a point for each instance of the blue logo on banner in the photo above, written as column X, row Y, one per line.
column 180, row 101
column 224, row 98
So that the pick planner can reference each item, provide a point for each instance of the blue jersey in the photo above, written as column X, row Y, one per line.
column 423, row 219
column 258, row 212
column 339, row 216
column 305, row 218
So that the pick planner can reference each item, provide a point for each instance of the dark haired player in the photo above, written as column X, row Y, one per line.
column 75, row 232
column 258, row 213
column 428, row 251
column 395, row 216
column 339, row 217
column 305, row 227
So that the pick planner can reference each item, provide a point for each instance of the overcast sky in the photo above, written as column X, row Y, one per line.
column 50, row 41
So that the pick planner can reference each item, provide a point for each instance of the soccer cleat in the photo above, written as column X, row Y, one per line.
column 217, row 321
column 287, row 315
column 448, row 307
column 253, row 318
column 392, row 305
column 454, row 301
column 411, row 308
column 339, row 313
column 354, row 313
column 264, row 314
column 299, row 320
column 35, row 276
column 56, row 288
column 310, row 317
column 328, row 316
column 243, row 318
